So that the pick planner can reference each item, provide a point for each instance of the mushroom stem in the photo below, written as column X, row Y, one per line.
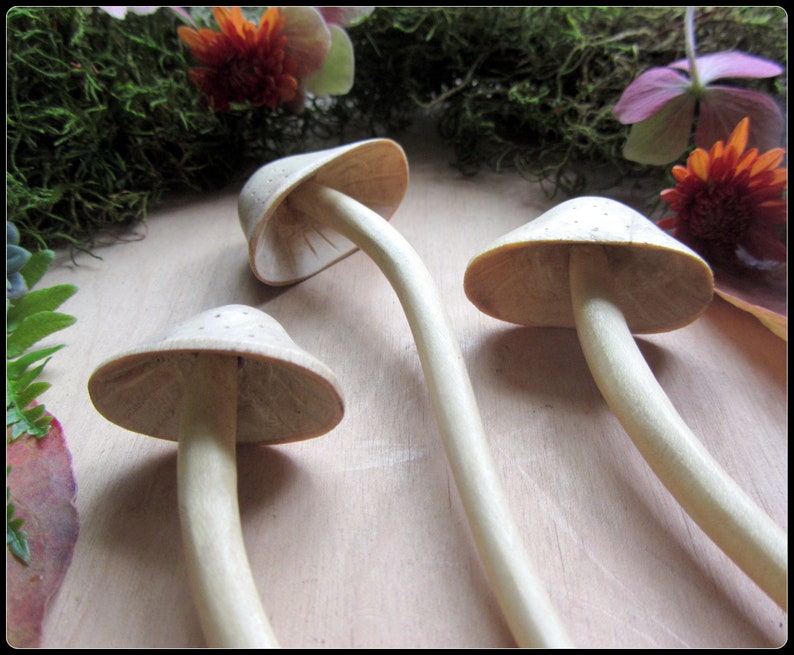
column 702, row 487
column 228, row 605
column 521, row 596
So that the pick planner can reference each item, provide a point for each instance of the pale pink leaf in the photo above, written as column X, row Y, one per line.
column 43, row 492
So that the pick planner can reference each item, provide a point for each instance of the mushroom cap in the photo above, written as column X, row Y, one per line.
column 283, row 393
column 523, row 277
column 286, row 245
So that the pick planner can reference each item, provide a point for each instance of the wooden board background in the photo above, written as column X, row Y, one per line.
column 357, row 539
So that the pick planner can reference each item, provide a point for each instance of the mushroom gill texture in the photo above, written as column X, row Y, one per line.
column 287, row 245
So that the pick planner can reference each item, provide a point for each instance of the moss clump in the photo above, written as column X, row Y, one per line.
column 103, row 122
column 533, row 87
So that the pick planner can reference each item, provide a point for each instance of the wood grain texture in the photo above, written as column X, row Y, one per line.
column 357, row 539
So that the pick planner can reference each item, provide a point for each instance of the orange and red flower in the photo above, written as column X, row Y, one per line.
column 728, row 203
column 293, row 51
column 242, row 63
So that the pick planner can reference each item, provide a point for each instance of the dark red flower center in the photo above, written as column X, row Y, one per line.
column 720, row 214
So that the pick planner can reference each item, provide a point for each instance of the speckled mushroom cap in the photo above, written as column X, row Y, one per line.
column 523, row 277
column 284, row 393
column 285, row 245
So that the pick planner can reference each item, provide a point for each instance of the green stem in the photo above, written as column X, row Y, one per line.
column 689, row 37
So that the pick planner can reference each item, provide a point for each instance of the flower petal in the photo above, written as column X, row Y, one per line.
column 344, row 15
column 649, row 93
column 335, row 76
column 116, row 12
column 308, row 38
column 662, row 138
column 698, row 163
column 142, row 11
column 761, row 291
column 183, row 14
column 733, row 63
column 737, row 141
column 668, row 223
column 769, row 160
column 722, row 108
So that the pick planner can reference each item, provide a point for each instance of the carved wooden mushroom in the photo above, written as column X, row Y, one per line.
column 597, row 265
column 230, row 375
column 303, row 213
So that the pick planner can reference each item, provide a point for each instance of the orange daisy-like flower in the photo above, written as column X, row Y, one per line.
column 243, row 63
column 728, row 203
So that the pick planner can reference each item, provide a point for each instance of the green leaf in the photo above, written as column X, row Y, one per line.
column 16, row 413
column 16, row 539
column 29, row 318
column 335, row 76
column 15, row 368
column 31, row 392
column 662, row 138
column 36, row 301
column 35, row 328
column 37, row 266
column 26, row 378
column 32, row 421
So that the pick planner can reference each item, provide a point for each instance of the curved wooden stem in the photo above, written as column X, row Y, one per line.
column 706, row 492
column 524, row 602
column 224, row 590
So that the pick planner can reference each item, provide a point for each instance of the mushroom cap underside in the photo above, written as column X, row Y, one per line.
column 285, row 245
column 659, row 283
column 283, row 393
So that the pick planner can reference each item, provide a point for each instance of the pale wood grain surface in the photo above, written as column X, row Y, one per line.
column 357, row 539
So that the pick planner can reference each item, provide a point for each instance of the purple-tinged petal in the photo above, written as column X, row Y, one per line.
column 121, row 12
column 730, row 64
column 722, row 108
column 649, row 93
column 183, row 14
column 308, row 38
column 662, row 138
column 335, row 76
column 116, row 12
column 344, row 15
column 763, row 294
column 143, row 11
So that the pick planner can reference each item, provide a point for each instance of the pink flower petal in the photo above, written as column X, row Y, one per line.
column 116, row 12
column 308, row 38
column 344, row 15
column 649, row 93
column 764, row 296
column 663, row 137
column 733, row 64
column 722, row 108
column 121, row 12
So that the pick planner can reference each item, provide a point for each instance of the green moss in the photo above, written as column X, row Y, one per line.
column 533, row 87
column 103, row 123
